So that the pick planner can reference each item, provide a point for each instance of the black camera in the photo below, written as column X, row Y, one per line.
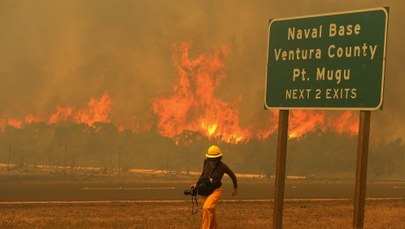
column 191, row 191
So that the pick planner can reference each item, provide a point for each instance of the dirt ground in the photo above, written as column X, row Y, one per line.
column 177, row 214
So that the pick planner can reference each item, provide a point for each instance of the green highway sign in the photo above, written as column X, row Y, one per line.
column 332, row 61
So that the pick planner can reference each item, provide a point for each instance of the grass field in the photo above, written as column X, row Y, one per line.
column 177, row 214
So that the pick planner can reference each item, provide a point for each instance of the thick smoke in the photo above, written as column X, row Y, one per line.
column 65, row 52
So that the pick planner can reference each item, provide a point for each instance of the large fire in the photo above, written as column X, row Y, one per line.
column 192, row 105
column 191, row 108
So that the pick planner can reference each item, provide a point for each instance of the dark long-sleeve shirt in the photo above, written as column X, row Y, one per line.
column 209, row 165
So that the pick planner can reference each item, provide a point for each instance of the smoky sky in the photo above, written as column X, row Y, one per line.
column 65, row 52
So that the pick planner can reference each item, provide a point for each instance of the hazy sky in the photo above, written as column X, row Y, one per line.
column 65, row 52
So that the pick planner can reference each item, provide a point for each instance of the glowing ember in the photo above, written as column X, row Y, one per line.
column 14, row 123
column 32, row 119
column 121, row 129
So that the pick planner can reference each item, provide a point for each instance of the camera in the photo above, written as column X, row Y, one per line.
column 191, row 191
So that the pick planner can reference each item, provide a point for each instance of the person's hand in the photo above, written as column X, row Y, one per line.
column 235, row 192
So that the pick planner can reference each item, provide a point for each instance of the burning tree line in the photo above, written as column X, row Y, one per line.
column 190, row 106
column 104, row 146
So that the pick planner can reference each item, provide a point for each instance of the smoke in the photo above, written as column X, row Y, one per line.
column 62, row 53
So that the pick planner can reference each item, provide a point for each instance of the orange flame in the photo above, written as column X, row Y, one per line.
column 61, row 114
column 14, row 123
column 302, row 122
column 346, row 122
column 192, row 105
column 98, row 111
column 32, row 119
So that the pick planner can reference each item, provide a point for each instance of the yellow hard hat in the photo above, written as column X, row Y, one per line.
column 213, row 152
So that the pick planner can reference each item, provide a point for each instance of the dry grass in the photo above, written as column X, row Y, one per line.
column 297, row 214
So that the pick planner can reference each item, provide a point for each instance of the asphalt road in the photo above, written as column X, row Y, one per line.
column 10, row 192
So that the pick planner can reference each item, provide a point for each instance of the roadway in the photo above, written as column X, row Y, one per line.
column 166, row 190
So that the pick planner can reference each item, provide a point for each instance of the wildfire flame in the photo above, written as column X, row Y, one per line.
column 346, row 122
column 302, row 122
column 61, row 114
column 14, row 123
column 191, row 108
column 192, row 105
column 97, row 111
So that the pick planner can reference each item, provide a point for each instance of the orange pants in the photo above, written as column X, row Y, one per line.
column 209, row 215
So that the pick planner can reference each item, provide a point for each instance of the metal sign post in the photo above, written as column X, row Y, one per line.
column 280, row 168
column 361, row 169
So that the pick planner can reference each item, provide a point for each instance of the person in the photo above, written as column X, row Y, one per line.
column 215, row 169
